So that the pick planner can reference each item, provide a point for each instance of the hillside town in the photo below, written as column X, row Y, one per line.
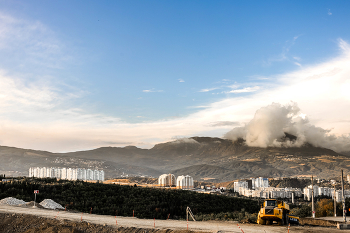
column 258, row 188
column 255, row 187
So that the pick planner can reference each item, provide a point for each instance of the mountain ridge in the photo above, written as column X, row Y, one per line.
column 200, row 157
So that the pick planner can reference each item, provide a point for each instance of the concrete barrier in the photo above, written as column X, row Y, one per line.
column 343, row 226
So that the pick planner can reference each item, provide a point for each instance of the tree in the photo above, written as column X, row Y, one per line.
column 324, row 207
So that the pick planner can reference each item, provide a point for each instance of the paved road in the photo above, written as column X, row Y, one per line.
column 207, row 226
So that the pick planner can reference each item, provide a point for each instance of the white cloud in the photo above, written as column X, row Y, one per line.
column 209, row 89
column 270, row 123
column 245, row 90
column 224, row 123
column 297, row 63
column 283, row 56
column 329, row 12
column 259, row 77
column 201, row 106
column 181, row 80
column 152, row 90
column 185, row 140
column 30, row 43
column 344, row 46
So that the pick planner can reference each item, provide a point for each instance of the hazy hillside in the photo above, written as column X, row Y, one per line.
column 203, row 158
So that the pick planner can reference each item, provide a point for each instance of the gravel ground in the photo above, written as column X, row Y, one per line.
column 17, row 219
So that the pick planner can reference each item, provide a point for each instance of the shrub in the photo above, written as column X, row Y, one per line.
column 302, row 212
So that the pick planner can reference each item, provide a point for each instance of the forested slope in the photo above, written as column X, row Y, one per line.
column 111, row 199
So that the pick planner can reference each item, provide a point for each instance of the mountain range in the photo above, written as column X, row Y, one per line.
column 203, row 158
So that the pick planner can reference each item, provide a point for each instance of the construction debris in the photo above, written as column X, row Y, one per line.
column 50, row 204
column 12, row 201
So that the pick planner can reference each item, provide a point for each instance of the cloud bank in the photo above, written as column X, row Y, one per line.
column 38, row 112
column 270, row 124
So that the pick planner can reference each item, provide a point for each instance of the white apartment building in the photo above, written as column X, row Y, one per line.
column 166, row 180
column 240, row 184
column 81, row 174
column 260, row 182
column 89, row 174
column 64, row 173
column 184, row 182
column 253, row 183
column 67, row 173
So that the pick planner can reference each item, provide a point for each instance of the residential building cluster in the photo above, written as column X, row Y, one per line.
column 324, row 191
column 271, row 192
column 252, row 183
column 182, row 182
column 67, row 173
column 259, row 187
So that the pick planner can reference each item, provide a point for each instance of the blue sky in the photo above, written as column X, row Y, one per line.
column 83, row 74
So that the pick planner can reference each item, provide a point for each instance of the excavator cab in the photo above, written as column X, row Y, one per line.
column 270, row 203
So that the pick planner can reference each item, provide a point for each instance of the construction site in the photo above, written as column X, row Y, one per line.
column 29, row 219
column 47, row 215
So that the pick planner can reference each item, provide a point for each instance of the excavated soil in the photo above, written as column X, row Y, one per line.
column 32, row 224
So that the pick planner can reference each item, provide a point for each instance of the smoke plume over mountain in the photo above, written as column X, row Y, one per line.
column 270, row 124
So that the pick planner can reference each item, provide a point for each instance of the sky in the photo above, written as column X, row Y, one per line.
column 77, row 75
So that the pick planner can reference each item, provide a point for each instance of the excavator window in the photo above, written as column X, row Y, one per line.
column 270, row 203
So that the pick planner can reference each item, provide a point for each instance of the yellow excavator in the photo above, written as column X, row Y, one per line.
column 274, row 210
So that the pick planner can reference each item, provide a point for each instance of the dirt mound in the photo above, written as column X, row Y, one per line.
column 32, row 224
column 12, row 201
column 50, row 204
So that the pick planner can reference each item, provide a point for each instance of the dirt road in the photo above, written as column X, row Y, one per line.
column 151, row 224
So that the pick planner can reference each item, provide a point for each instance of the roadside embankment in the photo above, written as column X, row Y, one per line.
column 33, row 224
column 318, row 222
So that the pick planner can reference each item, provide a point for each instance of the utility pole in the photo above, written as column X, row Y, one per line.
column 343, row 196
column 335, row 203
column 312, row 196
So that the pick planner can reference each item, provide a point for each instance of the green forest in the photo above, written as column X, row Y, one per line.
column 112, row 199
